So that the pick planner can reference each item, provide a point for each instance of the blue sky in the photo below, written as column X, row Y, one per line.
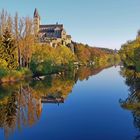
column 101, row 23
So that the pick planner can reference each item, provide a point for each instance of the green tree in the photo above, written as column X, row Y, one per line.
column 8, row 50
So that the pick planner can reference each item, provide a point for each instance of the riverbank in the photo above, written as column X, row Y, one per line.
column 10, row 76
column 22, row 74
column 42, row 59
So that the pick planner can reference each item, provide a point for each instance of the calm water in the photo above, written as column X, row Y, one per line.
column 82, row 105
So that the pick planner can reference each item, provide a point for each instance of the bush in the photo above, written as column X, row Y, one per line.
column 3, row 72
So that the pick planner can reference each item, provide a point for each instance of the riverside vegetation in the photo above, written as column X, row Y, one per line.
column 130, row 56
column 22, row 56
column 130, row 53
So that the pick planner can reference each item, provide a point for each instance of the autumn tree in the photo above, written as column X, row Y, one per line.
column 82, row 52
column 16, row 32
column 26, row 40
column 129, row 53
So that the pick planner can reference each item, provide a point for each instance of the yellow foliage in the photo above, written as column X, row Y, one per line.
column 58, row 55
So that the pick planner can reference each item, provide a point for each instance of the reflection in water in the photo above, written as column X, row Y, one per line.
column 21, row 103
column 133, row 100
column 21, row 107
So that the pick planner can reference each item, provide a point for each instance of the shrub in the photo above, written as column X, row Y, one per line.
column 3, row 72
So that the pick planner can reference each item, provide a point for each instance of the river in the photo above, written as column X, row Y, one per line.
column 87, row 104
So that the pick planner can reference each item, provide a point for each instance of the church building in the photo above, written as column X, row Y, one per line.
column 50, row 33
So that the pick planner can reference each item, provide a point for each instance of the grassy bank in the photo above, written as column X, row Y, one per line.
column 14, row 75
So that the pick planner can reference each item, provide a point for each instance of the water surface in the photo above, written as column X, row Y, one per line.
column 86, row 104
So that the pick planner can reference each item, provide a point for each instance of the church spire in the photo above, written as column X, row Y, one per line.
column 36, row 14
column 36, row 21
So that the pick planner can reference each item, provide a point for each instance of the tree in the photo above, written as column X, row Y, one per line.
column 8, row 50
column 83, row 53
column 3, row 21
column 16, row 30
column 26, row 40
column 129, row 53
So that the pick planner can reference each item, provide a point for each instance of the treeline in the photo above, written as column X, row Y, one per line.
column 98, row 56
column 108, row 51
column 21, row 55
column 130, row 53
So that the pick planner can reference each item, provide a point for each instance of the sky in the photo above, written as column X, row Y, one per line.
column 100, row 23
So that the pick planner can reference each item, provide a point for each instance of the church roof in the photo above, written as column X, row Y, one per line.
column 52, row 26
column 48, row 30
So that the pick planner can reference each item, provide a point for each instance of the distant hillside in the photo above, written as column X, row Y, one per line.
column 107, row 50
column 86, row 54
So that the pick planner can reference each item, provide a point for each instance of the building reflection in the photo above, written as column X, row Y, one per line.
column 21, row 103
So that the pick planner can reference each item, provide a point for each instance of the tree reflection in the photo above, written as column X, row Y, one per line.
column 21, row 103
column 132, row 79
column 20, row 108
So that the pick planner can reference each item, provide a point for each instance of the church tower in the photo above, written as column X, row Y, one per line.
column 36, row 21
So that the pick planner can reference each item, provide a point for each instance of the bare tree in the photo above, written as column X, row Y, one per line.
column 3, row 21
column 27, row 39
column 9, row 23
